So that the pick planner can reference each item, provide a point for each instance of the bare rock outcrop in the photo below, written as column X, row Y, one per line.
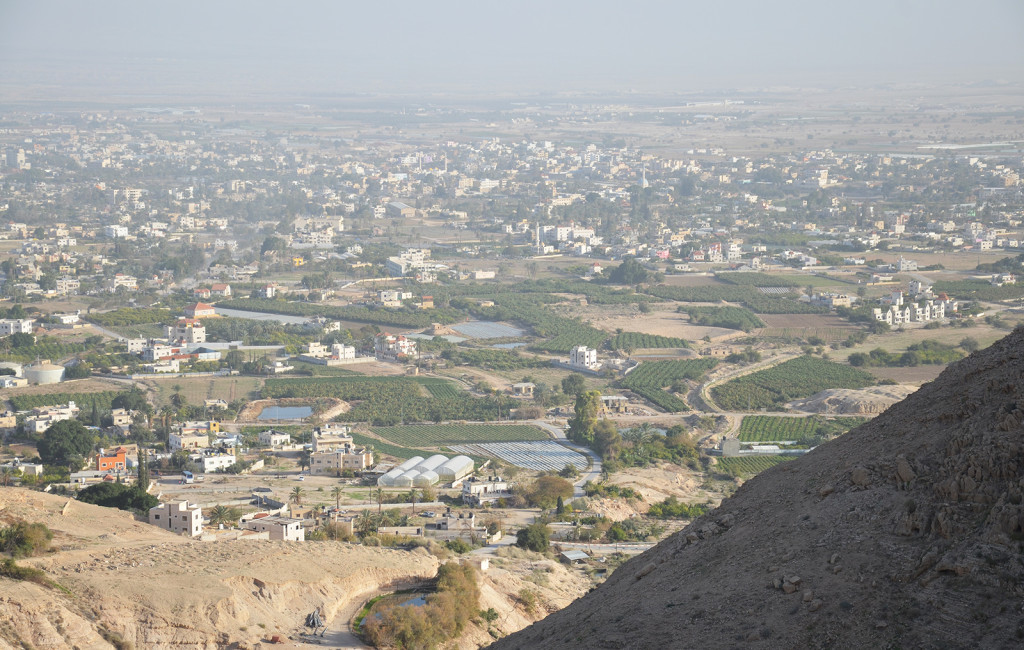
column 906, row 532
column 847, row 401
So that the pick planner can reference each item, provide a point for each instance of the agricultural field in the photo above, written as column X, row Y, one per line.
column 84, row 401
column 197, row 390
column 802, row 430
column 562, row 333
column 91, row 385
column 50, row 349
column 651, row 378
column 441, row 388
column 637, row 341
column 736, row 318
column 388, row 401
column 388, row 317
column 130, row 316
column 541, row 456
column 899, row 341
column 763, row 279
column 383, row 447
column 826, row 334
column 773, row 387
column 748, row 466
column 140, row 331
column 914, row 376
column 438, row 435
column 979, row 290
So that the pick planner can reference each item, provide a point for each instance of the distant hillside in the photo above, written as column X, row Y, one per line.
column 904, row 533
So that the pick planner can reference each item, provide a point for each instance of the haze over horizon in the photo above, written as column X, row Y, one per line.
column 75, row 50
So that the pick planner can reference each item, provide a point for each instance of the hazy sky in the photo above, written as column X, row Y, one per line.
column 531, row 46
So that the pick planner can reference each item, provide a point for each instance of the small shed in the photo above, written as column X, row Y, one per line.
column 573, row 557
column 523, row 389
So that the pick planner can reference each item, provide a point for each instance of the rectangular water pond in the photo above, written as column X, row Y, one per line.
column 285, row 413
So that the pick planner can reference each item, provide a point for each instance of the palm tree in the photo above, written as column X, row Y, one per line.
column 297, row 494
column 380, row 499
column 336, row 492
column 639, row 437
column 6, row 476
column 223, row 515
column 413, row 493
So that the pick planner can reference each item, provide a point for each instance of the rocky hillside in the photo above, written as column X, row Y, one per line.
column 904, row 533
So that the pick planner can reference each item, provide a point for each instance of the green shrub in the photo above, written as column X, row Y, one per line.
column 535, row 537
column 25, row 540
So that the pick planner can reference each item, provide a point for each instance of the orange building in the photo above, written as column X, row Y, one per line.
column 115, row 459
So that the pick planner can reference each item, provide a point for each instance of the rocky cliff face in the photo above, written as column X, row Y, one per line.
column 906, row 532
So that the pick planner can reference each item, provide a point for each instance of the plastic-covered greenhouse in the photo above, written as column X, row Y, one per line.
column 455, row 469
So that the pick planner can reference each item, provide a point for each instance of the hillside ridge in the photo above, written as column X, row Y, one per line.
column 905, row 532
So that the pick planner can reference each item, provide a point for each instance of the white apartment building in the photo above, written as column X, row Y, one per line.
column 43, row 417
column 10, row 326
column 583, row 357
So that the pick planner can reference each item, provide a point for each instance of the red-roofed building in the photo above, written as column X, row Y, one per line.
column 199, row 310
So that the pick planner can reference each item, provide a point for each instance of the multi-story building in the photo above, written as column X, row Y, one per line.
column 331, row 436
column 583, row 357
column 10, row 326
column 391, row 347
column 178, row 517
column 114, row 460
column 186, row 331
column 209, row 461
column 346, row 457
column 271, row 438
column 45, row 416
column 192, row 440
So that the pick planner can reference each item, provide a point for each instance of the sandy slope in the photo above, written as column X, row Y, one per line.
column 157, row 590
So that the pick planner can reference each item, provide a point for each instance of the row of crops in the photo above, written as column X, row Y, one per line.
column 734, row 318
column 747, row 295
column 441, row 388
column 131, row 316
column 802, row 430
column 84, row 401
column 757, row 279
column 385, row 448
column 389, row 400
column 747, row 466
column 773, row 387
column 979, row 290
column 45, row 350
column 650, row 379
column 493, row 359
column 435, row 435
column 637, row 341
column 562, row 333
